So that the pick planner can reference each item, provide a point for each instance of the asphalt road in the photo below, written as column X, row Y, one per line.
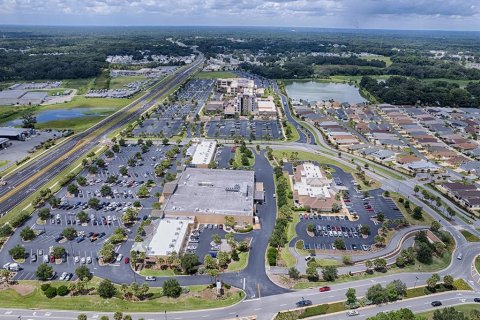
column 16, row 179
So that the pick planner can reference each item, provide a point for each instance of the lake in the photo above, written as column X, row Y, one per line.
column 318, row 91
column 63, row 114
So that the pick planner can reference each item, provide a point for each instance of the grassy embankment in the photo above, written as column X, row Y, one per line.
column 192, row 301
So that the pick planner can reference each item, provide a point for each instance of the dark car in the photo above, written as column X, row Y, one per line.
column 304, row 303
column 436, row 303
column 476, row 299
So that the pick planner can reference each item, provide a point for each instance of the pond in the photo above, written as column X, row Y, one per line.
column 318, row 91
column 63, row 114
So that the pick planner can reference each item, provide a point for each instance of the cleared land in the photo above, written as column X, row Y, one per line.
column 215, row 75
column 387, row 60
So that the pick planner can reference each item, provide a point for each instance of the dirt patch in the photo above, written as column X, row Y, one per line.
column 23, row 289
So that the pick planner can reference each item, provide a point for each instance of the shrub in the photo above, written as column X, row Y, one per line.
column 171, row 288
column 272, row 256
column 45, row 286
column 51, row 292
column 63, row 291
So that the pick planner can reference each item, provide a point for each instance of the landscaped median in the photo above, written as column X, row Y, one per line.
column 29, row 294
column 376, row 291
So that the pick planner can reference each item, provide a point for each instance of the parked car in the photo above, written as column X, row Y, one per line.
column 127, row 260
column 476, row 300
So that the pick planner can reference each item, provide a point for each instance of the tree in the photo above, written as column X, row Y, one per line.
column 82, row 181
column 106, row 289
column 107, row 252
column 69, row 233
column 82, row 216
column 44, row 272
column 123, row 170
column 189, row 263
column 229, row 221
column 216, row 238
column 416, row 189
column 401, row 314
column 435, row 226
column 82, row 316
column 171, row 288
column 369, row 264
column 365, row 229
column 449, row 313
column 347, row 260
column 351, row 296
column 340, row 244
column 329, row 273
column 432, row 281
column 44, row 214
column 417, row 213
column 293, row 273
column 83, row 273
column 424, row 252
column 94, row 203
column 312, row 273
column 377, row 294
column 27, row 234
column 72, row 188
column 380, row 264
column 223, row 259
column 17, row 252
column 58, row 252
column 118, row 315
column 448, row 280
column 106, row 191
column 51, row 292
column 209, row 262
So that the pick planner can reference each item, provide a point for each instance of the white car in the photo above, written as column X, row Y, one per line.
column 82, row 260
column 63, row 276
column 351, row 313
column 89, row 260
column 150, row 278
column 76, row 259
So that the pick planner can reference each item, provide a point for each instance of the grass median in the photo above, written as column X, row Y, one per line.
column 470, row 237
column 31, row 296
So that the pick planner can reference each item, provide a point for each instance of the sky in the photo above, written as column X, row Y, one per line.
column 362, row 14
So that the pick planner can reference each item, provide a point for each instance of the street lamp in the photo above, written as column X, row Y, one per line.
column 415, row 284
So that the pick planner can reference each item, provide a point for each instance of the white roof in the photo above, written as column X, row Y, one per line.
column 169, row 236
column 313, row 183
column 204, row 152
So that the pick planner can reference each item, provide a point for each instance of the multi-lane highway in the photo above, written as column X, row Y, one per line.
column 33, row 176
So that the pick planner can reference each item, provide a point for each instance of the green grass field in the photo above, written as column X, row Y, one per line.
column 294, row 136
column 11, row 299
column 240, row 264
column 470, row 237
column 303, row 155
column 157, row 273
column 120, row 82
column 3, row 163
column 477, row 264
column 215, row 75
column 102, row 81
column 387, row 60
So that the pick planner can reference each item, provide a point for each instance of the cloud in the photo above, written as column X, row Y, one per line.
column 321, row 13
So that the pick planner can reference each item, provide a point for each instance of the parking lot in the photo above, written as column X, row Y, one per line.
column 255, row 129
column 101, row 222
column 329, row 227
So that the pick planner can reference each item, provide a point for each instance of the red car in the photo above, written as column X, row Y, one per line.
column 324, row 289
column 127, row 260
column 52, row 258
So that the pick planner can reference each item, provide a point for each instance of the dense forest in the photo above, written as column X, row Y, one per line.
column 74, row 53
column 408, row 91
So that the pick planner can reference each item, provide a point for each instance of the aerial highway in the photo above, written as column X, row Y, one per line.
column 33, row 176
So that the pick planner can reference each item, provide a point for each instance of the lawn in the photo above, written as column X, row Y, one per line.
column 240, row 264
column 387, row 60
column 294, row 136
column 427, row 219
column 9, row 298
column 437, row 265
column 120, row 82
column 238, row 159
column 465, row 308
column 82, row 85
column 470, row 236
column 3, row 162
column 157, row 273
column 215, row 75
column 82, row 102
column 102, row 81
column 303, row 155
column 477, row 264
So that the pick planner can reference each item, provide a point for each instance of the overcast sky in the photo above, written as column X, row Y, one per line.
column 379, row 14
